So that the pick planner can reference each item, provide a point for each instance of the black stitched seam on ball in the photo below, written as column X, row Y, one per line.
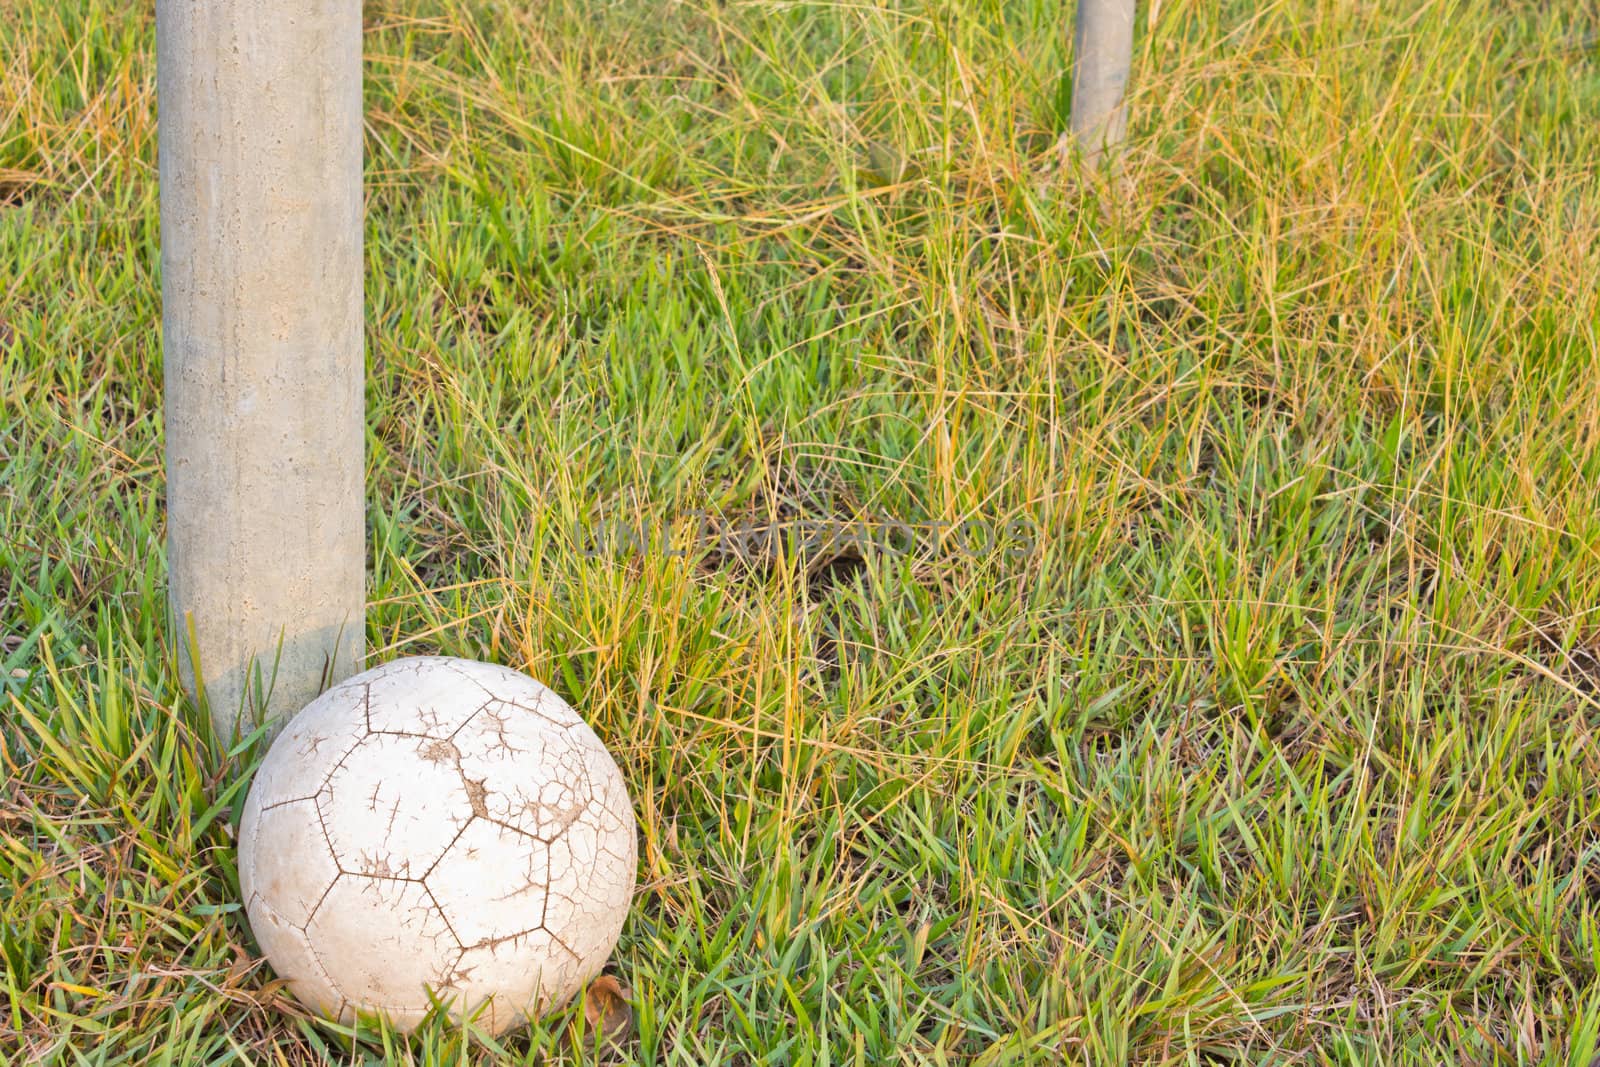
column 426, row 888
column 574, row 813
column 305, row 927
column 514, row 829
column 568, row 949
column 291, row 800
column 451, row 736
column 450, row 665
column 339, row 766
column 333, row 983
column 321, row 785
column 467, row 721
column 470, row 820
column 333, row 853
column 456, row 972
column 536, row 713
column 305, row 939
column 492, row 943
column 334, row 850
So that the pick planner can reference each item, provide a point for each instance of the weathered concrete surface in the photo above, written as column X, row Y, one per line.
column 260, row 161
column 1102, row 56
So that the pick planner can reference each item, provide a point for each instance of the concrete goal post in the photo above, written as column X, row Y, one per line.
column 260, row 167
column 1102, row 57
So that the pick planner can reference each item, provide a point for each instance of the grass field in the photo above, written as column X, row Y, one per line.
column 1264, row 732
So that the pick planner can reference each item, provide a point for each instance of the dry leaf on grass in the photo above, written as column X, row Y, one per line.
column 606, row 1007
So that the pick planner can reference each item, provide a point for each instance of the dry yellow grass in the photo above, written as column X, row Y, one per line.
column 1267, row 736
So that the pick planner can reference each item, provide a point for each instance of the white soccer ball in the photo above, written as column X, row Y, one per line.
column 437, row 830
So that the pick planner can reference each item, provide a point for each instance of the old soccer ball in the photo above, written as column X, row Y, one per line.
column 437, row 831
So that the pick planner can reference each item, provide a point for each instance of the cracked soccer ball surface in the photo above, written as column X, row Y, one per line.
column 437, row 827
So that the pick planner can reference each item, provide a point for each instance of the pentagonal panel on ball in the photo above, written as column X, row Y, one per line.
column 539, row 701
column 517, row 978
column 491, row 883
column 285, row 857
column 581, row 914
column 428, row 696
column 615, row 867
column 618, row 839
column 293, row 958
column 503, row 683
column 531, row 776
column 383, row 943
column 310, row 746
column 394, row 805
